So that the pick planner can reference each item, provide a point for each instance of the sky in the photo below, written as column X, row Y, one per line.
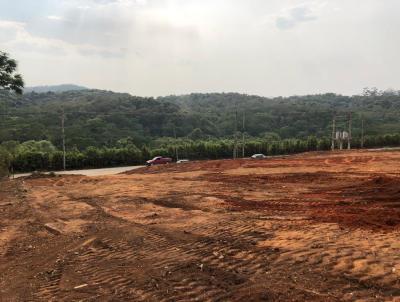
column 164, row 47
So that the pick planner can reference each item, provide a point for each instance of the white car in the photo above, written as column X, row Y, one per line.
column 182, row 161
column 258, row 156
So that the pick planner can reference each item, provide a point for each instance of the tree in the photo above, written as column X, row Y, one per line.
column 196, row 134
column 37, row 146
column 5, row 159
column 11, row 148
column 271, row 136
column 9, row 79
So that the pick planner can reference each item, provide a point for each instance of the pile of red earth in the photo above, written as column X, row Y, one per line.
column 372, row 203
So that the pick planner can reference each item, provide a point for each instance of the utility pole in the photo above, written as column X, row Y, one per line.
column 333, row 133
column 235, row 142
column 349, row 138
column 243, row 130
column 63, row 137
column 362, row 132
column 176, row 147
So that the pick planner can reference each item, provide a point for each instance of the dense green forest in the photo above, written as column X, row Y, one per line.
column 102, row 118
column 104, row 128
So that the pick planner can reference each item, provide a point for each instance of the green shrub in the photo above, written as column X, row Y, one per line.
column 5, row 159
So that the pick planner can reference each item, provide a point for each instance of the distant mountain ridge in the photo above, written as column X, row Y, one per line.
column 55, row 88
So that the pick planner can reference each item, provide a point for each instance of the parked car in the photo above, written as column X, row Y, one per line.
column 182, row 161
column 158, row 160
column 258, row 156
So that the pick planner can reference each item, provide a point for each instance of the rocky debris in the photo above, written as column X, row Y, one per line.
column 81, row 286
column 50, row 227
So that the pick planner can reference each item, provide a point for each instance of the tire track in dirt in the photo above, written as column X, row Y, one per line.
column 371, row 264
column 348, row 160
column 199, row 260
column 237, row 257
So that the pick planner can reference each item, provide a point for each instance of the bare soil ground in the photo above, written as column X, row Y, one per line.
column 311, row 227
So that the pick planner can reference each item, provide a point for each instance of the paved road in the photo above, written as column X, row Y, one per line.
column 92, row 172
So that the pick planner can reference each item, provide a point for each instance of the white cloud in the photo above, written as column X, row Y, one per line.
column 9, row 30
column 158, row 47
column 55, row 18
column 135, row 26
column 14, row 36
column 293, row 16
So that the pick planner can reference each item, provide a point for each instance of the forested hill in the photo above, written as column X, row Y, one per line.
column 54, row 88
column 98, row 118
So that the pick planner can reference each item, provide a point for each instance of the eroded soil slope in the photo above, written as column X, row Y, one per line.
column 312, row 227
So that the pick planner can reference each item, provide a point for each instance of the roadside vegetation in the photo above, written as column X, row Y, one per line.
column 10, row 80
column 44, row 156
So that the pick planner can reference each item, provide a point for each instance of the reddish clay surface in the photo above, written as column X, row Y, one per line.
column 311, row 227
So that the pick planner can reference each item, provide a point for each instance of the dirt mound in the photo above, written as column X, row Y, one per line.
column 368, row 202
column 360, row 202
column 360, row 217
column 381, row 190
column 36, row 175
column 218, row 165
column 190, row 167
column 256, row 180
column 372, row 203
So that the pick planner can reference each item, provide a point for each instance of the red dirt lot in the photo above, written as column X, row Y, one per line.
column 310, row 227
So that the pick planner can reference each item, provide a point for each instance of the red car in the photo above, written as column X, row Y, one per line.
column 158, row 160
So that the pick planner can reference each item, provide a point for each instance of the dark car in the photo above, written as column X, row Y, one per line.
column 158, row 160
